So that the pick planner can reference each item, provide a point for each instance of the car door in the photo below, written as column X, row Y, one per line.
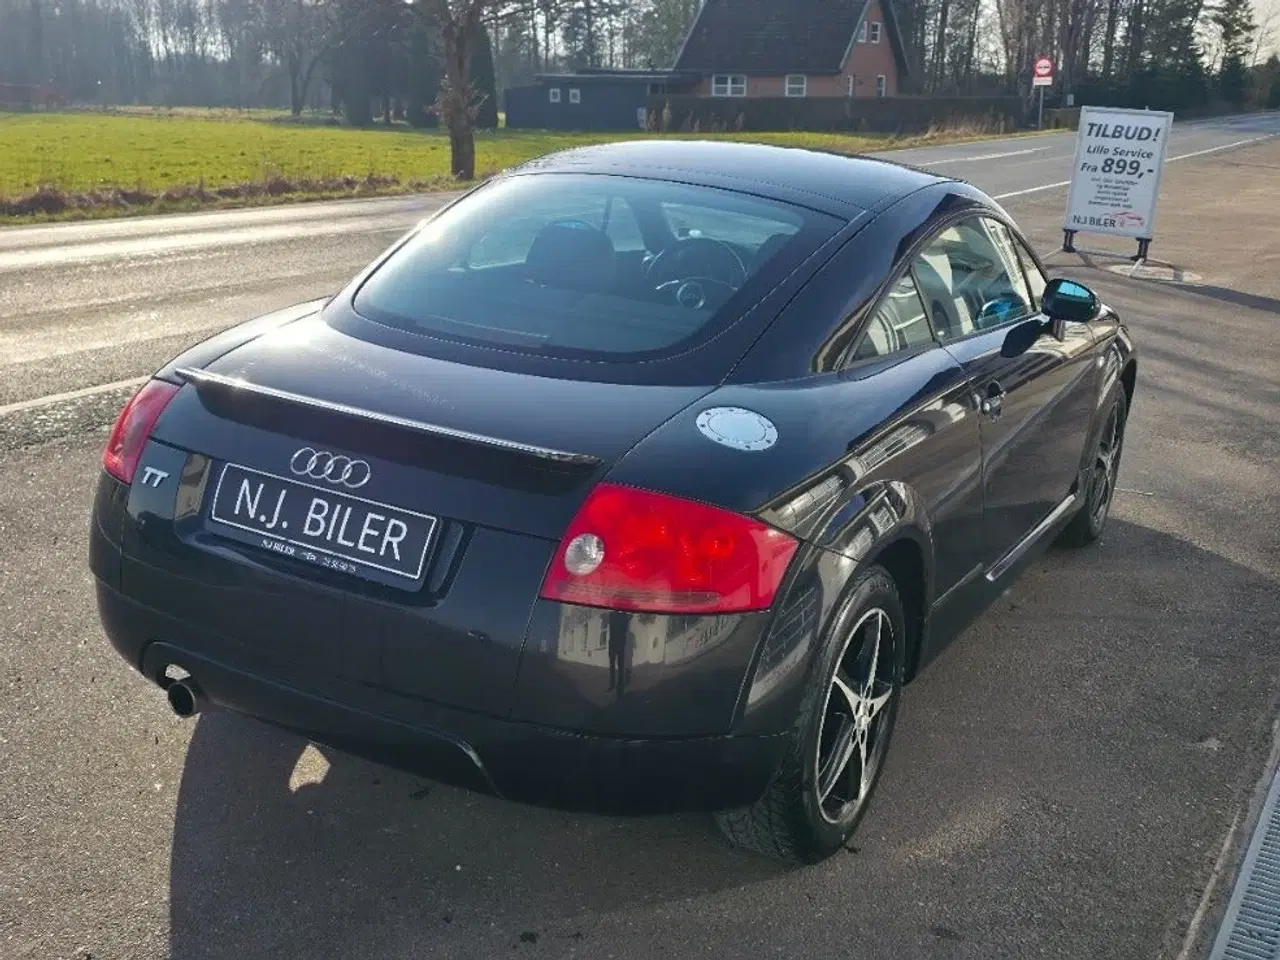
column 980, row 285
column 936, row 447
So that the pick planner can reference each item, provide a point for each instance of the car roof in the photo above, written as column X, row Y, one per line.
column 834, row 183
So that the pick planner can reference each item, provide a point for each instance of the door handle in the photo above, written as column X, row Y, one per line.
column 992, row 404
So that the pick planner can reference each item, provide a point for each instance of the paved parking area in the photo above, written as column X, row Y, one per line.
column 1064, row 780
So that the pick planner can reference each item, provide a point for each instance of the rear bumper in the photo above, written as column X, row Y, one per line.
column 517, row 761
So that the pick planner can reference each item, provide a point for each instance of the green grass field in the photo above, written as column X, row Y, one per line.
column 154, row 152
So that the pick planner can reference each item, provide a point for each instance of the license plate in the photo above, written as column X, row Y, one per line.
column 319, row 526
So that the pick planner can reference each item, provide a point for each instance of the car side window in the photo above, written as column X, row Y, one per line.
column 1021, row 264
column 971, row 280
column 899, row 323
column 1036, row 280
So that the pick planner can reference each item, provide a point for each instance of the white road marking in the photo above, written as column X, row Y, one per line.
column 988, row 156
column 1225, row 146
column 1019, row 193
column 1184, row 156
column 38, row 402
column 168, row 243
column 139, row 326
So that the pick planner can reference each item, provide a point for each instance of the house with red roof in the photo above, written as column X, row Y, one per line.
column 795, row 48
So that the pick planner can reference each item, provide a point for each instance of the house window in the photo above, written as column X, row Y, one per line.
column 555, row 94
column 862, row 32
column 575, row 95
column 797, row 85
column 728, row 85
column 875, row 31
column 882, row 85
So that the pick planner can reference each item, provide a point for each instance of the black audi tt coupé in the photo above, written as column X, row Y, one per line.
column 638, row 479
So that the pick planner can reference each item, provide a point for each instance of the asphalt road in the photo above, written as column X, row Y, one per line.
column 1064, row 782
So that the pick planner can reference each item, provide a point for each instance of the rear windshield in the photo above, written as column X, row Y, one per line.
column 588, row 266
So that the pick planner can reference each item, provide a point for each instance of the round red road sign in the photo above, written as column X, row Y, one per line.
column 1043, row 67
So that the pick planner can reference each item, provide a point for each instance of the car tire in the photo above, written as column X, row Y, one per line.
column 1104, row 467
column 811, row 809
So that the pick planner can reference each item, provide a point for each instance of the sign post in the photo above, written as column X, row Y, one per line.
column 1041, row 76
column 1115, row 178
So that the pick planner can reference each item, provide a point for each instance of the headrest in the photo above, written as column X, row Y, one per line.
column 572, row 255
column 932, row 284
column 771, row 246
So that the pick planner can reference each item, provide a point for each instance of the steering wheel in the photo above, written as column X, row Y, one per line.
column 694, row 292
column 573, row 222
column 682, row 261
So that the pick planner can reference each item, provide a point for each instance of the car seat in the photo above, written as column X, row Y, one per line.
column 572, row 255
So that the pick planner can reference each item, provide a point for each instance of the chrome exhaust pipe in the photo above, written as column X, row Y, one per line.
column 185, row 697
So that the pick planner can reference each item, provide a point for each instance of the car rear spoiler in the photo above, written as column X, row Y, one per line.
column 217, row 384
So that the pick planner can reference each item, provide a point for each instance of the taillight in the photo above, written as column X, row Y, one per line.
column 630, row 549
column 133, row 426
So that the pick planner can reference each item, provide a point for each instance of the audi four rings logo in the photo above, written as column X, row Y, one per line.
column 322, row 465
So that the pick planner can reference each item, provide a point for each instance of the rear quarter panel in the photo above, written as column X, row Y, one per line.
column 866, row 457
column 861, row 461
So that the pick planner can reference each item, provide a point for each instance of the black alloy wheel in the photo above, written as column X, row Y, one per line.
column 853, row 733
column 1091, row 520
column 841, row 737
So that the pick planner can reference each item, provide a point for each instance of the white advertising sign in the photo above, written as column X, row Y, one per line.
column 1116, row 177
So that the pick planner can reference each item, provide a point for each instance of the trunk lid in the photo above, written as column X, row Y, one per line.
column 490, row 447
column 482, row 470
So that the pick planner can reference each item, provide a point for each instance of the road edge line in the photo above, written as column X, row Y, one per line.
column 53, row 398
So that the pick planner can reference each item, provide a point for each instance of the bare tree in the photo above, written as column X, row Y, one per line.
column 293, row 31
column 459, row 23
column 1267, row 27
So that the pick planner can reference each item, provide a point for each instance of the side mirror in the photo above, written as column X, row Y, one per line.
column 1066, row 300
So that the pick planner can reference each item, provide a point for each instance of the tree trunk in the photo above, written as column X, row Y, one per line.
column 1137, row 40
column 940, row 45
column 1109, row 39
column 535, row 64
column 971, row 48
column 295, row 86
column 459, row 29
column 305, row 86
column 1086, row 41
column 462, row 150
column 456, row 103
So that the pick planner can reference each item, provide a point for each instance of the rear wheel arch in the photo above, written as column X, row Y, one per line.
column 790, row 821
column 1129, row 378
column 906, row 561
column 906, row 554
